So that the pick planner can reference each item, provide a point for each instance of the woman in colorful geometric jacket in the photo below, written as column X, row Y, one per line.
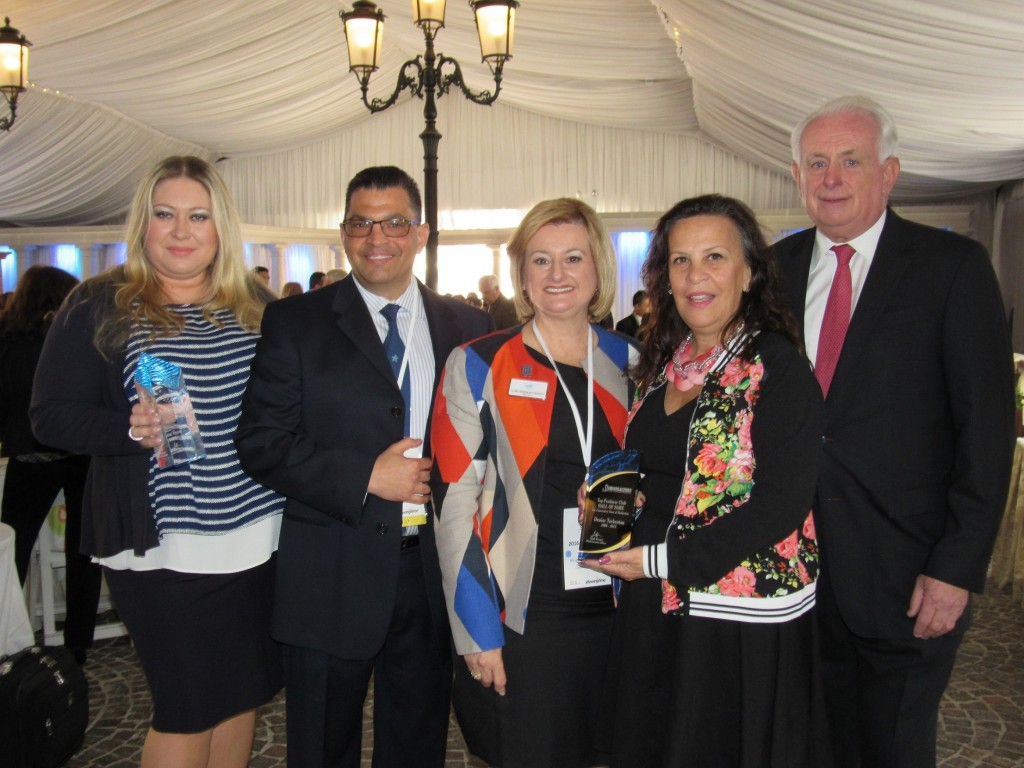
column 714, row 651
column 520, row 414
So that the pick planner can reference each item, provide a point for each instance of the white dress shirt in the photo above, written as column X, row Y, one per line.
column 420, row 369
column 421, row 351
column 823, row 270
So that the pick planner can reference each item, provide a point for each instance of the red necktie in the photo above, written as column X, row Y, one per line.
column 837, row 318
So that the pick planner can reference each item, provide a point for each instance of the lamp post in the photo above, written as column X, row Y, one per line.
column 429, row 76
column 13, row 69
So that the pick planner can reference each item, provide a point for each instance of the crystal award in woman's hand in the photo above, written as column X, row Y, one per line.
column 608, row 511
column 161, row 385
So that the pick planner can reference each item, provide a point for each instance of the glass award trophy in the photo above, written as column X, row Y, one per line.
column 609, row 509
column 161, row 385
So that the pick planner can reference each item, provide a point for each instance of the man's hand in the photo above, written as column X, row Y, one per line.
column 937, row 606
column 625, row 564
column 396, row 477
column 488, row 668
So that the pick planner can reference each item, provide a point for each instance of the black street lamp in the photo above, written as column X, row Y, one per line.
column 13, row 69
column 429, row 76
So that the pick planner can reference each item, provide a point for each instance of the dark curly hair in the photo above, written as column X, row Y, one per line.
column 41, row 290
column 761, row 309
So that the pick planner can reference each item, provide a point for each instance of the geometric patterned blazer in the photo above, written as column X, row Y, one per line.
column 489, row 451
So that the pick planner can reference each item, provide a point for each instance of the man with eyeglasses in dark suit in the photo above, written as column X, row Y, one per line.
column 335, row 418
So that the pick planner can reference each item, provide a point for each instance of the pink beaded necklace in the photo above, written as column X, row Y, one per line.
column 684, row 370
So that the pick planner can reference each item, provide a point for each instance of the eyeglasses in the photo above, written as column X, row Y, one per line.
column 397, row 227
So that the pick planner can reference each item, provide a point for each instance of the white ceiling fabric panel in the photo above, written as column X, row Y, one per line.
column 595, row 91
column 951, row 73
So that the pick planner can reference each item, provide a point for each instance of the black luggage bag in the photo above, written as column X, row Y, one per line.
column 44, row 707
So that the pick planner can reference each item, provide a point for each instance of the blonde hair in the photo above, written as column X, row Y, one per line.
column 138, row 298
column 565, row 210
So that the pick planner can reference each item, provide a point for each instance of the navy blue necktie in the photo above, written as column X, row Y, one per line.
column 395, row 350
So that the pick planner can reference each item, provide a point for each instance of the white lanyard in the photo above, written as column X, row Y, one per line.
column 408, row 345
column 586, row 440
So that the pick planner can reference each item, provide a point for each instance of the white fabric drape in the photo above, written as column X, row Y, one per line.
column 79, row 164
column 499, row 157
column 47, row 256
column 82, row 263
column 295, row 263
column 259, row 255
column 9, row 271
column 631, row 250
column 951, row 73
column 107, row 255
column 303, row 260
column 641, row 100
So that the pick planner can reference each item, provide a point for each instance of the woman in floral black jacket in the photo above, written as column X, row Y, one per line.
column 714, row 652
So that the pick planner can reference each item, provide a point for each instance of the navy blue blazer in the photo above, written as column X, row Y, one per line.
column 321, row 405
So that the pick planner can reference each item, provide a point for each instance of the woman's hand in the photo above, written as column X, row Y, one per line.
column 487, row 668
column 625, row 564
column 144, row 426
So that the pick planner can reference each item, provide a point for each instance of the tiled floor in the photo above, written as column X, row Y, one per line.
column 981, row 726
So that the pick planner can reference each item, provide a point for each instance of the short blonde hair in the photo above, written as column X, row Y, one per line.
column 232, row 285
column 565, row 210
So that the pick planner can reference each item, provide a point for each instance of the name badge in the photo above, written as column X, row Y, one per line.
column 413, row 514
column 535, row 390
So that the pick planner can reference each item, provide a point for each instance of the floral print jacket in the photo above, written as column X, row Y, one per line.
column 752, row 457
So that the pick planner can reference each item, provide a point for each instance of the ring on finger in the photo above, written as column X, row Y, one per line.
column 132, row 434
column 476, row 674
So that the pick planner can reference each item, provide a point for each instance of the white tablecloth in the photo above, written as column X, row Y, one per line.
column 15, row 629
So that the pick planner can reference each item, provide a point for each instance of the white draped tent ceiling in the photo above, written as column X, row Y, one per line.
column 630, row 103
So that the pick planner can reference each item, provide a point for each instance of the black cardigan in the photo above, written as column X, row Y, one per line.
column 79, row 405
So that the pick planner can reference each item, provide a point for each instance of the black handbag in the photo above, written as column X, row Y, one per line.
column 44, row 707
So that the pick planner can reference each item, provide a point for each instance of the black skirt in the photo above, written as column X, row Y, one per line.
column 203, row 641
column 548, row 715
column 698, row 692
column 708, row 693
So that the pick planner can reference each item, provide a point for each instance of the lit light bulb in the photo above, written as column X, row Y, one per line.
column 10, row 57
column 362, row 31
column 493, row 19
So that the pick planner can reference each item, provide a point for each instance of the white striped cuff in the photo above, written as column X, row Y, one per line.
column 654, row 558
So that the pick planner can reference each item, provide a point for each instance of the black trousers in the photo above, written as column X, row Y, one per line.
column 29, row 492
column 882, row 694
column 412, row 681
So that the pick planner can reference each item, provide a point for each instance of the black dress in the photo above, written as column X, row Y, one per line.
column 555, row 669
column 698, row 692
